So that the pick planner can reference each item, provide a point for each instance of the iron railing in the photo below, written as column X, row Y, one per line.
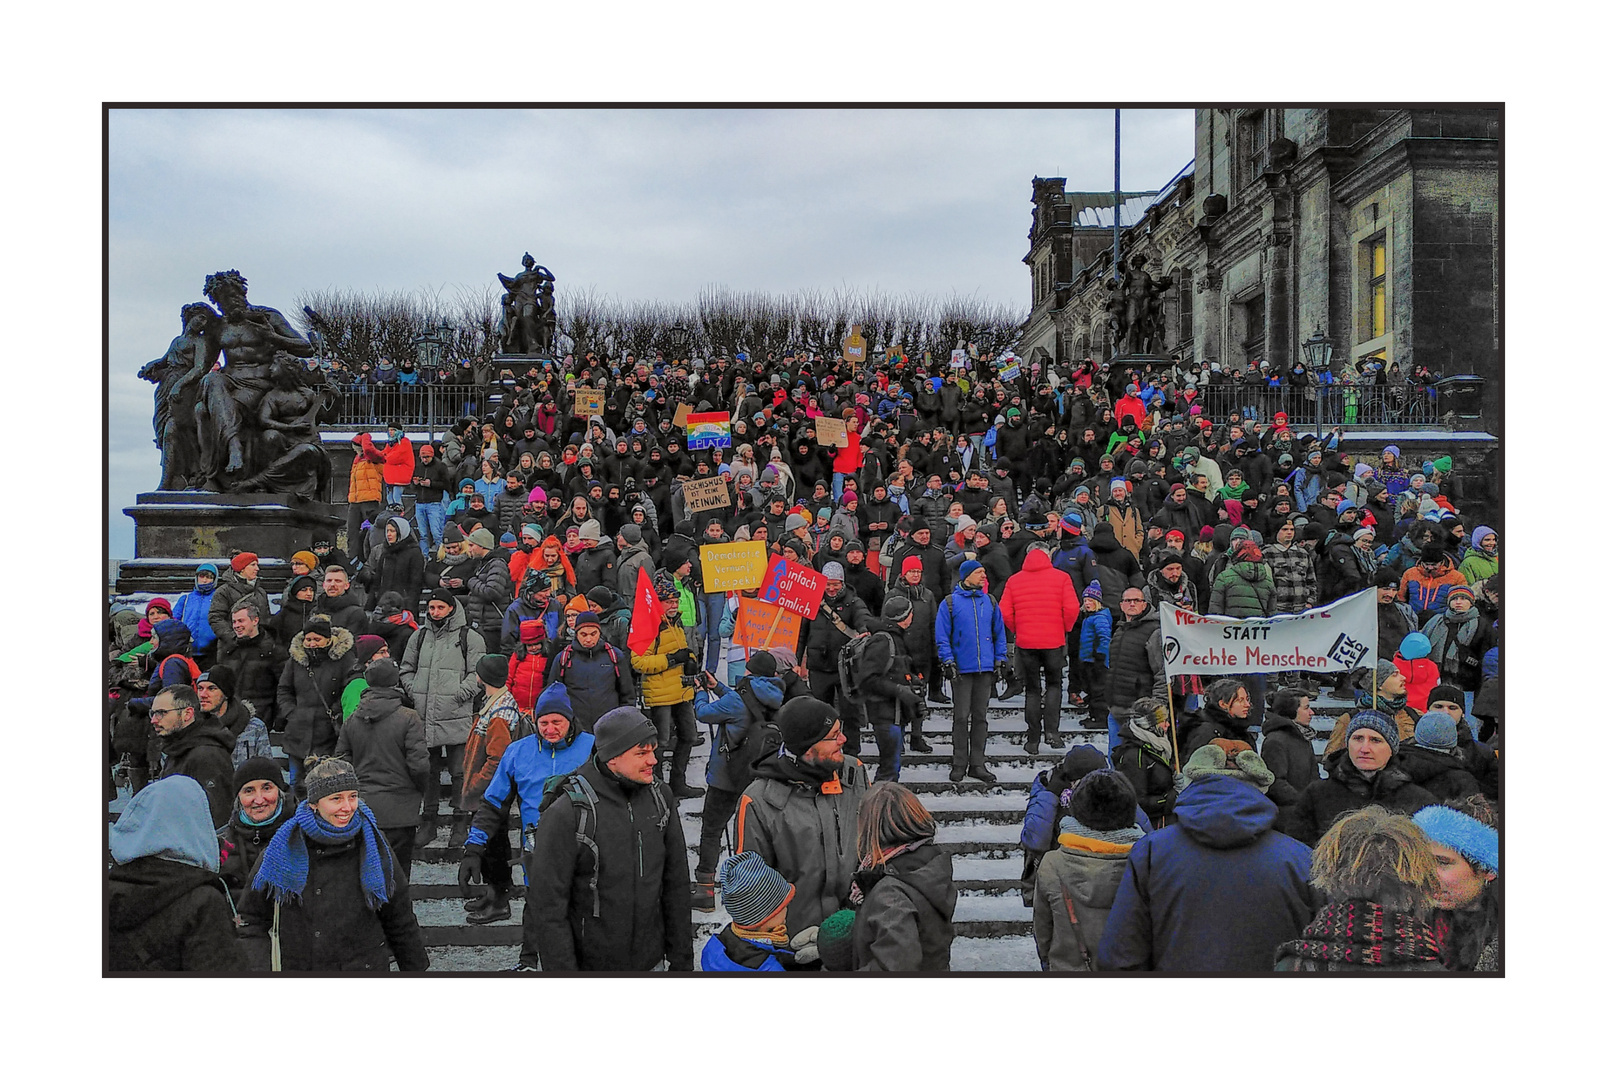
column 431, row 407
column 1405, row 405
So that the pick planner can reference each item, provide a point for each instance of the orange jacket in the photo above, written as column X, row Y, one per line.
column 367, row 479
column 488, row 738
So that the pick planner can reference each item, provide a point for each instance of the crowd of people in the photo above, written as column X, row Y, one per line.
column 469, row 641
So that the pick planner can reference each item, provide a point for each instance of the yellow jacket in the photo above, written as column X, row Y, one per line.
column 661, row 683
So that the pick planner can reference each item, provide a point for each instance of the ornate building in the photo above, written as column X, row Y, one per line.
column 1377, row 226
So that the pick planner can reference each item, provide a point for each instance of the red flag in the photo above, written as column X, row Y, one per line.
column 646, row 614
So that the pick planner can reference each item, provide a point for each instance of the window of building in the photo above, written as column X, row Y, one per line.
column 1254, row 133
column 1185, row 307
column 1377, row 262
column 1255, row 329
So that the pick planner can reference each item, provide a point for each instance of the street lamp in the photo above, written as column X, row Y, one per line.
column 1319, row 354
column 431, row 346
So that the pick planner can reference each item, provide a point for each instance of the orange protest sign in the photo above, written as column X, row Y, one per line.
column 765, row 626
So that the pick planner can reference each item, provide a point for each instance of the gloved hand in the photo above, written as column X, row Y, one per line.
column 804, row 947
column 470, row 870
column 678, row 657
column 908, row 698
column 951, row 671
column 1003, row 669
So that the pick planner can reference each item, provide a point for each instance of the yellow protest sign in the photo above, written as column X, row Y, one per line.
column 854, row 347
column 588, row 402
column 730, row 567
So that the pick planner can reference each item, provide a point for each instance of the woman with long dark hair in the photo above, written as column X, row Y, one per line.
column 1467, row 857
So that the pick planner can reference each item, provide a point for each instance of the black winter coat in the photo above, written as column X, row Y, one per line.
column 1150, row 776
column 169, row 916
column 399, row 569
column 250, row 841
column 822, row 641
column 384, row 741
column 1212, row 723
column 309, row 697
column 204, row 751
column 1137, row 668
column 1289, row 754
column 906, row 921
column 331, row 927
column 643, row 896
column 1347, row 789
column 1443, row 776
column 921, row 637
column 1114, row 566
column 256, row 663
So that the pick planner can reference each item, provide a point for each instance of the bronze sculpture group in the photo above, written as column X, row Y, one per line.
column 1135, row 309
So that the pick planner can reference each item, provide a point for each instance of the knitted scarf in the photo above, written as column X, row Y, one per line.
column 284, row 867
column 866, row 877
column 1148, row 737
column 1130, row 835
column 1439, row 635
column 1362, row 933
column 269, row 820
column 1389, row 706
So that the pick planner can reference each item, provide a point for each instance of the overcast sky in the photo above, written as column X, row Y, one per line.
column 637, row 203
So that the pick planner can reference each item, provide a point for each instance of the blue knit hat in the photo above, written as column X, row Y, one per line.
column 751, row 890
column 1376, row 721
column 1436, row 731
column 555, row 699
column 1468, row 837
column 1414, row 647
column 1071, row 520
column 969, row 567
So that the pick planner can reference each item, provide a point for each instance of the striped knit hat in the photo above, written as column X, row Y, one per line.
column 751, row 890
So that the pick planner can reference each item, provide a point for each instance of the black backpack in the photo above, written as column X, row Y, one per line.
column 864, row 657
column 762, row 740
column 584, row 798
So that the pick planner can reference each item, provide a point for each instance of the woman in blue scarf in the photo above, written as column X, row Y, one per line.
column 342, row 901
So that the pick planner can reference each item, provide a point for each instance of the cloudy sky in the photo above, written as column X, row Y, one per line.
column 636, row 203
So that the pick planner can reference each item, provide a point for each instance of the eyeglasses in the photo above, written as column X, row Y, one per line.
column 168, row 712
column 1132, row 599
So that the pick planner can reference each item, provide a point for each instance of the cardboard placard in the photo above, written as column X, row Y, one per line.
column 765, row 626
column 682, row 411
column 830, row 432
column 1010, row 372
column 588, row 402
column 793, row 586
column 707, row 494
column 732, row 567
column 854, row 347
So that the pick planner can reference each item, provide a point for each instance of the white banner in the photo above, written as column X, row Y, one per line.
column 1336, row 637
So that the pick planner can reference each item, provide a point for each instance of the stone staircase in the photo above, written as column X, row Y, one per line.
column 978, row 824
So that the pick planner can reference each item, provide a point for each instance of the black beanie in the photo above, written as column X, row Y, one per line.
column 493, row 669
column 761, row 663
column 221, row 677
column 804, row 721
column 1104, row 801
column 258, row 768
column 383, row 673
column 1445, row 692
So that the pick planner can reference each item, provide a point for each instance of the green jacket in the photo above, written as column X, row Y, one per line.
column 1478, row 566
column 1244, row 590
column 689, row 618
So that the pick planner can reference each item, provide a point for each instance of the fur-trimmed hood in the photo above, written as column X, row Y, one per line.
column 340, row 643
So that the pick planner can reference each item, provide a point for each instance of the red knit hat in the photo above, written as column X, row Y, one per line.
column 911, row 562
column 242, row 560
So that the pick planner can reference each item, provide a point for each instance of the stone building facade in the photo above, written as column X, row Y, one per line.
column 1379, row 227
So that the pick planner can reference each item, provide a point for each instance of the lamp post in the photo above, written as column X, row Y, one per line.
column 1319, row 352
column 679, row 337
column 431, row 346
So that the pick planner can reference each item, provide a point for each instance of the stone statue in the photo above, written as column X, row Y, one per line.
column 177, row 375
column 1114, row 306
column 228, row 413
column 529, row 316
column 296, row 461
column 1142, row 319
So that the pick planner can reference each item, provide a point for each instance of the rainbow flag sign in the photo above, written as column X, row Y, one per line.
column 704, row 431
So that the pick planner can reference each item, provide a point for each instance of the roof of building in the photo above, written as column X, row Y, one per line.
column 1104, row 217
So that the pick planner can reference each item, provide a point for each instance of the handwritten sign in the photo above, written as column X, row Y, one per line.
column 588, row 402
column 831, row 432
column 765, row 626
column 682, row 411
column 732, row 567
column 1011, row 371
column 854, row 347
column 705, row 431
column 793, row 586
column 707, row 494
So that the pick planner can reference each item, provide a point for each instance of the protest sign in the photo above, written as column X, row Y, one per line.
column 792, row 585
column 705, row 431
column 588, row 402
column 708, row 494
column 682, row 411
column 829, row 432
column 730, row 567
column 1336, row 637
column 854, row 348
column 765, row 626
column 1010, row 371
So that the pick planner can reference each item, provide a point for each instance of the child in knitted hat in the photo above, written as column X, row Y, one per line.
column 756, row 897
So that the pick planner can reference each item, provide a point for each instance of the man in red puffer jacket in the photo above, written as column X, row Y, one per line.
column 1040, row 606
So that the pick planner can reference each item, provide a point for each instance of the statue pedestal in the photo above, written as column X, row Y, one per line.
column 1140, row 359
column 174, row 531
column 526, row 359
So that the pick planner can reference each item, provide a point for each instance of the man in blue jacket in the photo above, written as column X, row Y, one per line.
column 971, row 647
column 192, row 610
column 1221, row 889
column 558, row 747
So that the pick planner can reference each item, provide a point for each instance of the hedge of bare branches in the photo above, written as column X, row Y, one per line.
column 363, row 327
